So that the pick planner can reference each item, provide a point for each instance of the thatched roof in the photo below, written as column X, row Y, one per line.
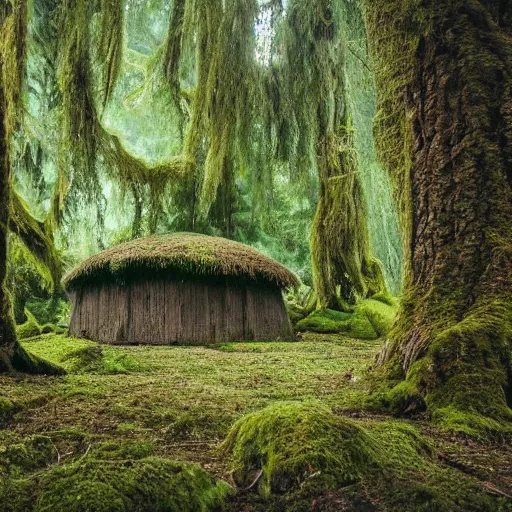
column 182, row 253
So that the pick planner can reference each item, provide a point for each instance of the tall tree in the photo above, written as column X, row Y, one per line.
column 12, row 52
column 444, row 72
column 343, row 268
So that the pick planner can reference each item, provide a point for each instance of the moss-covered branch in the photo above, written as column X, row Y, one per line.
column 37, row 238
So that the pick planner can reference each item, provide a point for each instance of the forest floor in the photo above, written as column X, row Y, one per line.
column 179, row 403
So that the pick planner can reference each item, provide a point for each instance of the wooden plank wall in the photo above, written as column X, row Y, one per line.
column 179, row 312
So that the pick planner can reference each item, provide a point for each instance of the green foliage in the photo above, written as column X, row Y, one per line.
column 247, row 155
column 54, row 310
column 361, row 97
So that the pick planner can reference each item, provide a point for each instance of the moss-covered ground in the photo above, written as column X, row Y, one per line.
column 150, row 423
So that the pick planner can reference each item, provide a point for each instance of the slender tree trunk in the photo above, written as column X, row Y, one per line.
column 454, row 336
column 8, row 342
column 12, row 355
column 343, row 269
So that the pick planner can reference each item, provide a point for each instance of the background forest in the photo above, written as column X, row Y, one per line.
column 117, row 144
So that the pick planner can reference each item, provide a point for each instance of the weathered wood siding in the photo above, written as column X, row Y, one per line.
column 178, row 312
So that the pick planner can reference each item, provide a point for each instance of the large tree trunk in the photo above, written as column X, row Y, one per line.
column 454, row 98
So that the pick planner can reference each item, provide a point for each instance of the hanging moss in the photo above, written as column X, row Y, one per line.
column 339, row 237
column 38, row 239
column 13, row 23
column 110, row 47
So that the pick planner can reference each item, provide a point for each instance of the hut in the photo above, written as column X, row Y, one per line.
column 181, row 288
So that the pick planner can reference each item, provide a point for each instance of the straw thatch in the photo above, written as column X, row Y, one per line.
column 181, row 254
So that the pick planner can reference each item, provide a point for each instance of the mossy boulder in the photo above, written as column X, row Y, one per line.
column 153, row 483
column 370, row 319
column 295, row 444
column 306, row 451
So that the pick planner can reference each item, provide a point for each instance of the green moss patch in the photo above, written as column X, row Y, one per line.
column 370, row 319
column 82, row 356
column 28, row 454
column 30, row 328
column 116, row 483
column 305, row 448
column 293, row 444
column 152, row 483
column 463, row 379
column 188, row 398
column 6, row 408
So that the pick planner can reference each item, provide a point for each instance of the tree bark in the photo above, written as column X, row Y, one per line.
column 454, row 335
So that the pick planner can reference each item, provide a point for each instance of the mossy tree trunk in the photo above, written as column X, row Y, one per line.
column 12, row 355
column 452, row 344
column 8, row 342
column 343, row 269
